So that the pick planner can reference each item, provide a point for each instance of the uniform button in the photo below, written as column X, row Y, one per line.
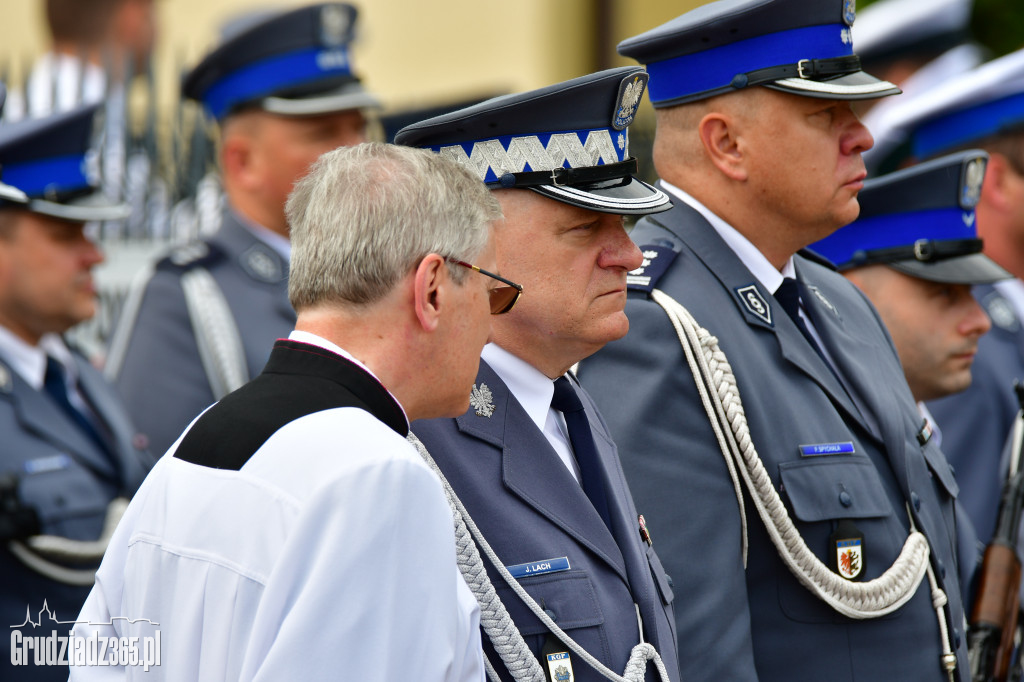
column 845, row 499
column 916, row 501
column 942, row 569
column 551, row 615
column 669, row 579
column 956, row 638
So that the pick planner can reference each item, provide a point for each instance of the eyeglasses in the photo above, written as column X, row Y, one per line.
column 502, row 299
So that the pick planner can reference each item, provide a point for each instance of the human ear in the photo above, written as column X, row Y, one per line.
column 719, row 134
column 429, row 286
column 995, row 190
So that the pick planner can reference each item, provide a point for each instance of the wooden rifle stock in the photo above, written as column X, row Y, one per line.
column 993, row 624
column 994, row 616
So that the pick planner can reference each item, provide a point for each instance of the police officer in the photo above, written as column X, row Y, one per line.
column 914, row 251
column 283, row 92
column 793, row 525
column 917, row 46
column 68, row 447
column 981, row 109
column 531, row 459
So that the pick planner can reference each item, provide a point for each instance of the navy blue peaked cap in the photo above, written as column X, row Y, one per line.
column 8, row 194
column 55, row 162
column 893, row 29
column 965, row 110
column 920, row 221
column 567, row 141
column 804, row 47
column 295, row 63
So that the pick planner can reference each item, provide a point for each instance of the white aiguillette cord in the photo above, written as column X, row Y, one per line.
column 719, row 394
column 494, row 618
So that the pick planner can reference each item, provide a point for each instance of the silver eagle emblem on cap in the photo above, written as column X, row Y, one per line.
column 333, row 25
column 849, row 12
column 973, row 176
column 480, row 400
column 630, row 92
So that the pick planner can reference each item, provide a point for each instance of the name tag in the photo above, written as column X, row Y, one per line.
column 827, row 449
column 44, row 464
column 539, row 567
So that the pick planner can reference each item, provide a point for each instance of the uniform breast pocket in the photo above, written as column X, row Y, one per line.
column 820, row 492
column 70, row 501
column 568, row 598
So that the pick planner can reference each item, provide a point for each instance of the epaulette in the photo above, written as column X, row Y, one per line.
column 188, row 256
column 815, row 257
column 657, row 259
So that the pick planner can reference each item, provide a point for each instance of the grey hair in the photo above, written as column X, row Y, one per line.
column 366, row 215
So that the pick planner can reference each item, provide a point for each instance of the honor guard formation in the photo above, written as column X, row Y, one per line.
column 512, row 396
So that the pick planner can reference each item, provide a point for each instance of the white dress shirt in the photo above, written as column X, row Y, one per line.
column 534, row 390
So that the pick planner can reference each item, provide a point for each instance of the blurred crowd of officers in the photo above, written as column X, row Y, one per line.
column 754, row 421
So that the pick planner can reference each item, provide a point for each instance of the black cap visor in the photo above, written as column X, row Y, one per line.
column 853, row 86
column 12, row 194
column 348, row 96
column 92, row 206
column 975, row 268
column 622, row 196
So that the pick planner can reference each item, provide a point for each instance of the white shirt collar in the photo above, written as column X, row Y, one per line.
column 277, row 242
column 29, row 362
column 753, row 259
column 319, row 341
column 531, row 387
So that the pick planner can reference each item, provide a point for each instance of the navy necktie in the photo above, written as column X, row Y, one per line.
column 56, row 387
column 566, row 401
column 788, row 296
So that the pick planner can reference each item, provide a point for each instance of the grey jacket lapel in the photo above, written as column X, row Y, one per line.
column 40, row 415
column 857, row 361
column 122, row 432
column 533, row 472
column 625, row 524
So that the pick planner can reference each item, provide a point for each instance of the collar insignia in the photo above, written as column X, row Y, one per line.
column 754, row 302
column 480, row 400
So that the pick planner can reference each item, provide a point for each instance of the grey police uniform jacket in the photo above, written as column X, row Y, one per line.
column 531, row 509
column 69, row 481
column 976, row 423
column 161, row 375
column 761, row 623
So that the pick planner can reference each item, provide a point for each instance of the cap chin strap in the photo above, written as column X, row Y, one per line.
column 720, row 396
column 806, row 69
column 508, row 642
column 923, row 251
column 569, row 176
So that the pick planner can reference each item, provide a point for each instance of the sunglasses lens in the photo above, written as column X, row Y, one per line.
column 502, row 299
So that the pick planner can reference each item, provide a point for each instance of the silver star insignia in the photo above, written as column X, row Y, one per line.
column 480, row 400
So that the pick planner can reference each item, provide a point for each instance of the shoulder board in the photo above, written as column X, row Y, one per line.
column 657, row 259
column 1000, row 311
column 817, row 258
column 187, row 256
